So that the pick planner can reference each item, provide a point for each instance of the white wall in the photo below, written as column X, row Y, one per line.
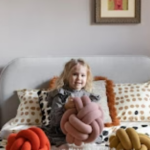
column 56, row 27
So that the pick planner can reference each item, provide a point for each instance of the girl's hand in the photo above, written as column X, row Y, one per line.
column 70, row 103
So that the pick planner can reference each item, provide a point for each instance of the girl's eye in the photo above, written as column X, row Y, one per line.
column 75, row 74
column 83, row 75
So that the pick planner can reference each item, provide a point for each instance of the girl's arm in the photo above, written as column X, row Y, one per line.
column 70, row 103
column 57, row 109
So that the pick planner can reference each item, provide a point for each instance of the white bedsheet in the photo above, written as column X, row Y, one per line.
column 9, row 128
column 140, row 127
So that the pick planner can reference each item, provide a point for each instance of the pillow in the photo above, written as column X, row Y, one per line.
column 133, row 101
column 110, row 99
column 28, row 112
column 52, row 82
column 100, row 89
column 45, row 110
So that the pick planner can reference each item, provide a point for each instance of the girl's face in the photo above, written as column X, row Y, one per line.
column 78, row 77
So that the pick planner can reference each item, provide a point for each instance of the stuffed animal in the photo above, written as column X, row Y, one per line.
column 84, row 123
column 129, row 139
column 32, row 138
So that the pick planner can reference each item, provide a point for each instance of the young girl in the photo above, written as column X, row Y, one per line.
column 75, row 81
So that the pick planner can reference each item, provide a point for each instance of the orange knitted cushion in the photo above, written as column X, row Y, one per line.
column 29, row 139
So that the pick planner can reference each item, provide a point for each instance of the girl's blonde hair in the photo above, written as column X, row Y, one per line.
column 64, row 77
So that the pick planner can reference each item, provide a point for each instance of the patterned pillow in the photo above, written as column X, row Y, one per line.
column 133, row 101
column 28, row 112
column 45, row 110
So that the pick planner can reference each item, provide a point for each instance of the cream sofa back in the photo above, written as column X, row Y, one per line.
column 36, row 72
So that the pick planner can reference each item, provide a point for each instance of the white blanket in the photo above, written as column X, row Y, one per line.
column 140, row 127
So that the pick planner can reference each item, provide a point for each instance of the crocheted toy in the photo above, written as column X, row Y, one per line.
column 84, row 123
column 32, row 138
column 129, row 139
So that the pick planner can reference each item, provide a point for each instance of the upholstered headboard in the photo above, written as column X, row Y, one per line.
column 36, row 72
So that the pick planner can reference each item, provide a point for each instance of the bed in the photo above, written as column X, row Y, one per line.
column 35, row 73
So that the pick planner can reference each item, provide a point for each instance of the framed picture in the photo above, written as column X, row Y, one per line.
column 118, row 11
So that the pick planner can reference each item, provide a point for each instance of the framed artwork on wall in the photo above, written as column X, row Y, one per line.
column 118, row 11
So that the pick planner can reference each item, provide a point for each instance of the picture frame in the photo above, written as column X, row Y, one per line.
column 117, row 11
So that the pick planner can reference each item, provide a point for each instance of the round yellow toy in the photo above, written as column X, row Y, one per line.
column 129, row 139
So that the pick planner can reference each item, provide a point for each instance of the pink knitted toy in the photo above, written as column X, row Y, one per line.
column 84, row 123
